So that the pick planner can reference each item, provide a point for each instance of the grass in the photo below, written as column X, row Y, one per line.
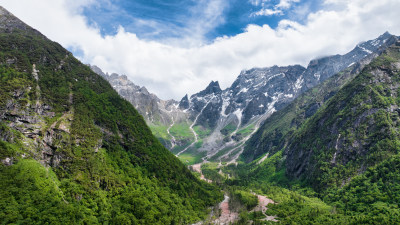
column 228, row 129
column 181, row 131
column 247, row 130
column 179, row 148
column 201, row 131
column 221, row 153
column 189, row 159
column 198, row 144
column 160, row 131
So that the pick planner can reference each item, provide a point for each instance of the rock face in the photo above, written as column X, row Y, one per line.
column 233, row 114
column 323, row 68
column 184, row 103
column 222, row 120
column 159, row 114
column 274, row 134
column 149, row 105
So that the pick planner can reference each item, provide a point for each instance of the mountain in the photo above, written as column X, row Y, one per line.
column 214, row 124
column 356, row 129
column 72, row 151
column 160, row 115
column 274, row 134
column 223, row 120
column 149, row 105
column 332, row 155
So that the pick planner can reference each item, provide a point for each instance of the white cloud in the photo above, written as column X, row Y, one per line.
column 268, row 12
column 173, row 70
column 257, row 2
column 267, row 9
column 285, row 4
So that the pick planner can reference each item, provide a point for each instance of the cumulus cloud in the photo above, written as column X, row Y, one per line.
column 171, row 70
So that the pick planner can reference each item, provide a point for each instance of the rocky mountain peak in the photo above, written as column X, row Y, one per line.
column 184, row 103
column 114, row 76
column 213, row 87
column 144, row 90
column 153, row 109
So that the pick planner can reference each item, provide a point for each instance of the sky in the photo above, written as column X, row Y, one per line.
column 177, row 47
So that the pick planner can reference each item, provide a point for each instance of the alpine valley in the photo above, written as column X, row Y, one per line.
column 281, row 145
column 214, row 124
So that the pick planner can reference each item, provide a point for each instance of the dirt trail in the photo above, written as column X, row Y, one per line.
column 227, row 217
column 197, row 168
column 263, row 201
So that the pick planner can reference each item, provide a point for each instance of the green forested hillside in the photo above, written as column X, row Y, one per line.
column 341, row 164
column 73, row 151
column 354, row 130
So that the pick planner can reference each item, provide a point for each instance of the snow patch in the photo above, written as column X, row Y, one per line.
column 364, row 49
column 376, row 42
column 276, row 75
column 238, row 114
column 244, row 90
column 351, row 64
column 225, row 104
column 259, row 84
column 299, row 83
column 289, row 96
column 317, row 75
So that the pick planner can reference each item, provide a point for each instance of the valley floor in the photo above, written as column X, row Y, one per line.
column 226, row 213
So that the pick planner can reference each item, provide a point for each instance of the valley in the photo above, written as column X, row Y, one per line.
column 214, row 124
column 245, row 155
column 281, row 145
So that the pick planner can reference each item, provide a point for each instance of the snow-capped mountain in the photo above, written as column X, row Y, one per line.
column 230, row 116
column 215, row 123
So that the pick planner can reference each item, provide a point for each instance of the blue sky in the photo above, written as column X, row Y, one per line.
column 176, row 47
column 165, row 19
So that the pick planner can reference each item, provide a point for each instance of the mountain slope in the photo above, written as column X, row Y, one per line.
column 214, row 124
column 276, row 131
column 73, row 151
column 229, row 117
column 341, row 164
column 355, row 130
column 160, row 115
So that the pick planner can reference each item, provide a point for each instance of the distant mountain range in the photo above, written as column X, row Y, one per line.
column 214, row 124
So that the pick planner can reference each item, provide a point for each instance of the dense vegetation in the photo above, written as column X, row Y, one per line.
column 354, row 130
column 92, row 159
column 73, row 152
column 370, row 198
column 341, row 164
